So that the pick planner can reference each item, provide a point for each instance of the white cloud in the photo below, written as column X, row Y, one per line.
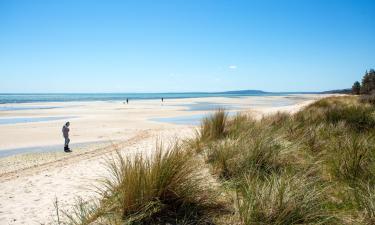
column 232, row 67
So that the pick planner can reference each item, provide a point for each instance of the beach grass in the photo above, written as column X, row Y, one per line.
column 168, row 187
column 283, row 200
column 313, row 167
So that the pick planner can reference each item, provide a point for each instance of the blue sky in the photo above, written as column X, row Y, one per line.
column 174, row 46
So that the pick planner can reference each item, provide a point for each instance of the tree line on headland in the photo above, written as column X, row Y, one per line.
column 367, row 86
column 366, row 89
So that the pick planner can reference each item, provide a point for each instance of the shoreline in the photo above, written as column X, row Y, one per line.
column 103, row 121
column 89, row 97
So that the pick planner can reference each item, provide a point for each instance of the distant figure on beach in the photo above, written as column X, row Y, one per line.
column 162, row 99
column 65, row 131
column 127, row 101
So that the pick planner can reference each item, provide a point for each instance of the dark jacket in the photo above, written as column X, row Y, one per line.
column 65, row 131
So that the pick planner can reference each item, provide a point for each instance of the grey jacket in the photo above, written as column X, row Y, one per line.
column 65, row 131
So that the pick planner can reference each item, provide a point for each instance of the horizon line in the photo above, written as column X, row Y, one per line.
column 172, row 92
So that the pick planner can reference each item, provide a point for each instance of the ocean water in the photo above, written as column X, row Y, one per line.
column 17, row 108
column 29, row 98
column 7, row 121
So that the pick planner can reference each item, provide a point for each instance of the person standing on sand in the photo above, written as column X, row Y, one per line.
column 65, row 131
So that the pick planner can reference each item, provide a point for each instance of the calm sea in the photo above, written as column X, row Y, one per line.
column 27, row 98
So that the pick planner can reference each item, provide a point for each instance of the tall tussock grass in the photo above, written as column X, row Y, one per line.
column 365, row 196
column 282, row 200
column 257, row 151
column 168, row 187
column 352, row 157
column 214, row 126
column 269, row 162
column 349, row 110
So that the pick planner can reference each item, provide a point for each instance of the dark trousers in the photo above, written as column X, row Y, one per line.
column 67, row 140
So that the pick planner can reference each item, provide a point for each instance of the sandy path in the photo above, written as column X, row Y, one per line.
column 27, row 196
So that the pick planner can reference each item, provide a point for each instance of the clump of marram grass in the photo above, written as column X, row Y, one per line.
column 222, row 157
column 352, row 157
column 169, row 187
column 256, row 149
column 214, row 126
column 317, row 138
column 357, row 116
column 312, row 140
column 365, row 196
column 238, row 125
column 85, row 212
column 282, row 200
column 277, row 120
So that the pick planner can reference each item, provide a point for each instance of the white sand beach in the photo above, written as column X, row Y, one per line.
column 31, row 181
